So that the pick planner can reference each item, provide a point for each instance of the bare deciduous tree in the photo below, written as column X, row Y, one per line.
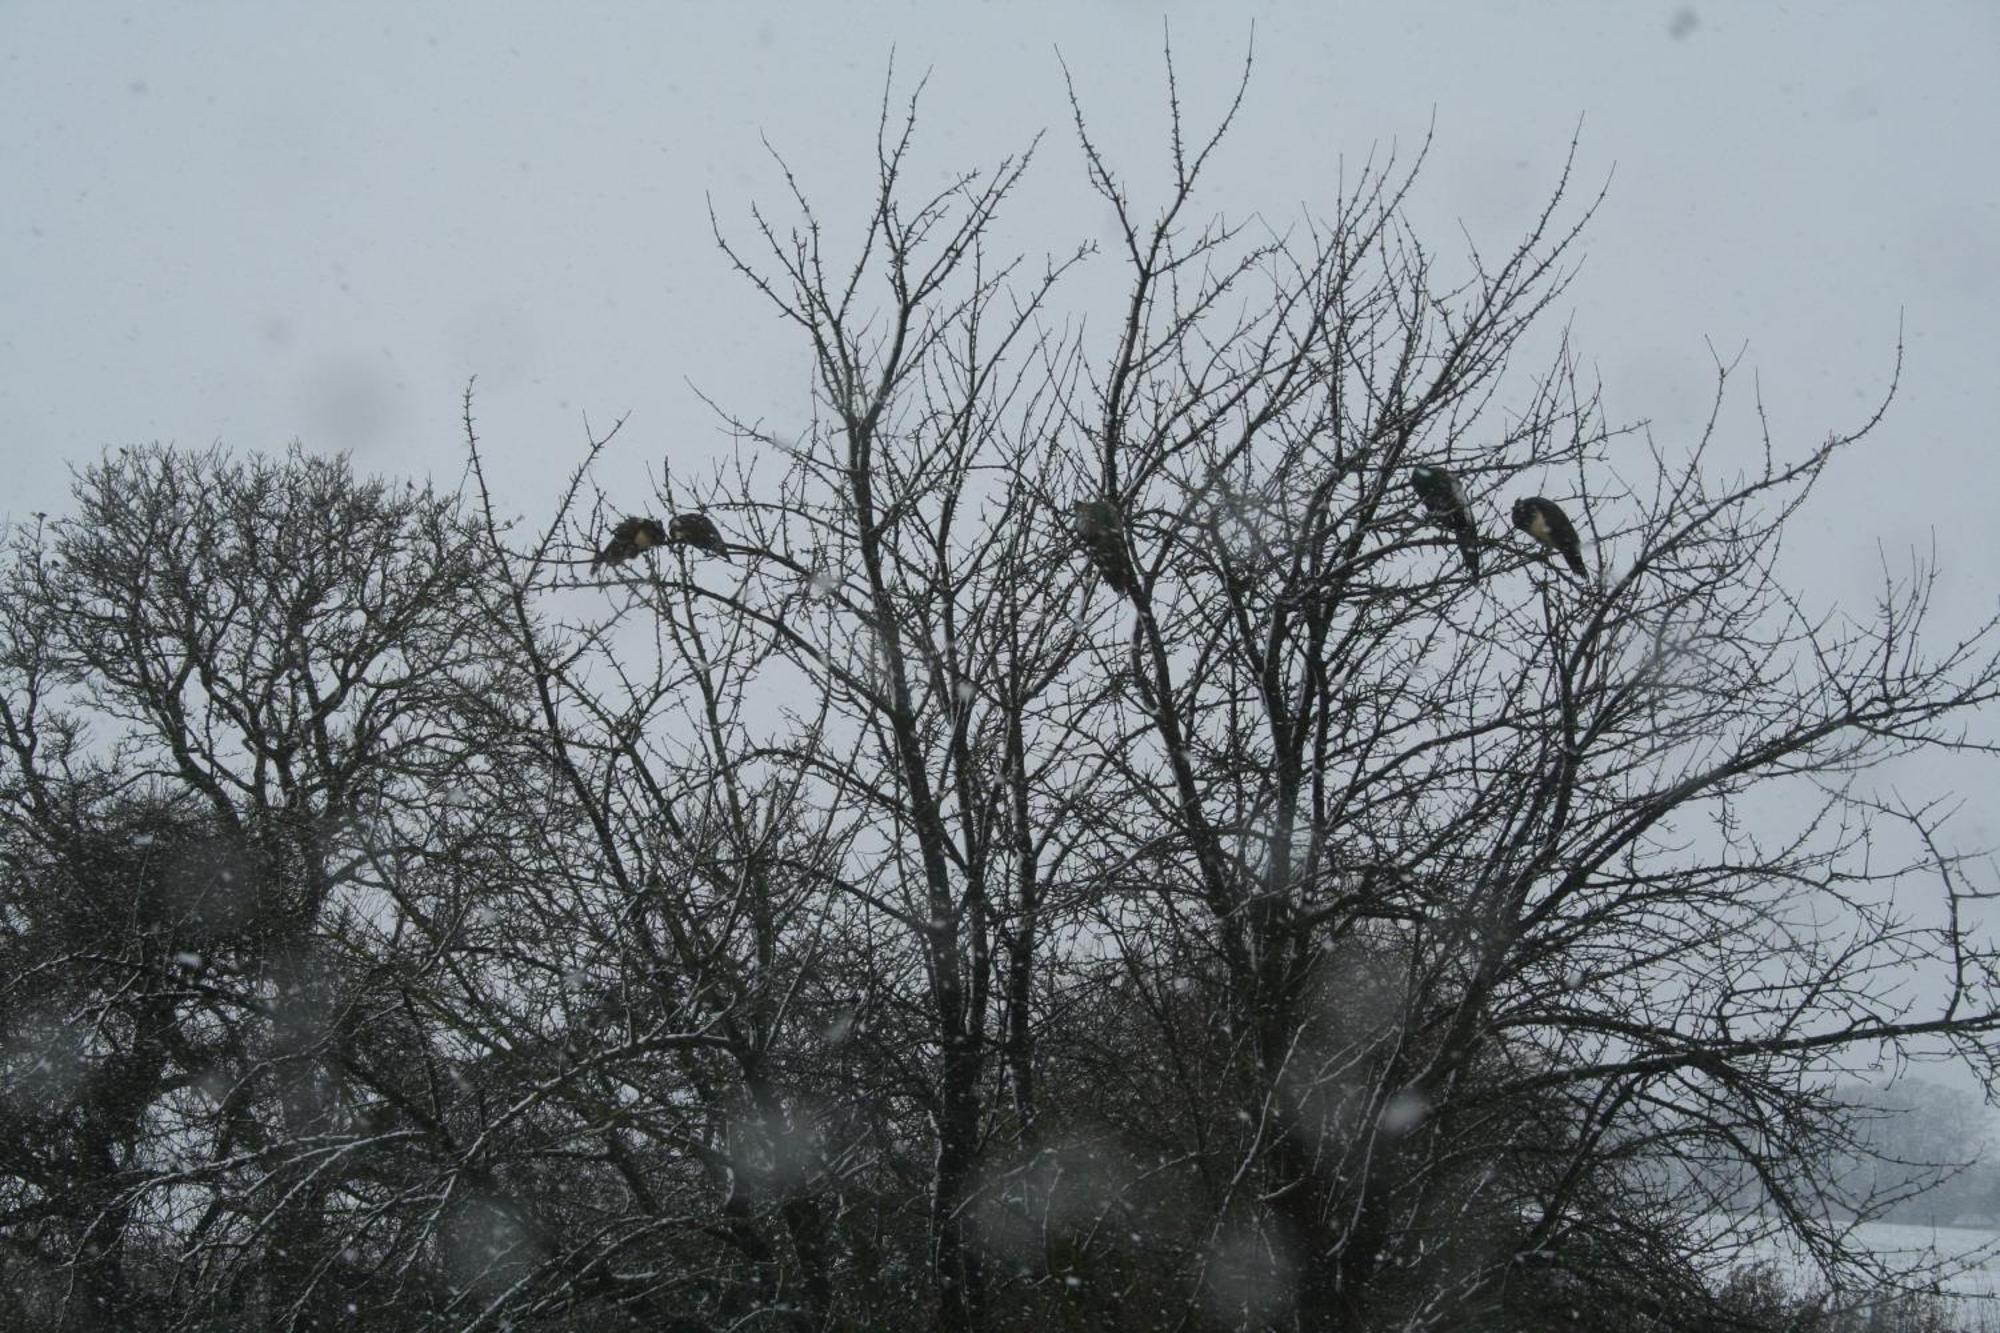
column 1083, row 834
column 226, row 687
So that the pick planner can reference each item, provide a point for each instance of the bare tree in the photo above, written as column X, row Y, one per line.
column 225, row 686
column 932, row 626
column 1423, row 836
column 1435, row 833
column 1121, row 825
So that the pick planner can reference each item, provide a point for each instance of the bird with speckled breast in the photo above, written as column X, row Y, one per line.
column 1545, row 521
column 1101, row 533
column 632, row 537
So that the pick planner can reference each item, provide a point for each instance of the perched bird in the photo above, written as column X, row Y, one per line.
column 1440, row 492
column 1102, row 534
column 698, row 531
column 1545, row 521
column 628, row 539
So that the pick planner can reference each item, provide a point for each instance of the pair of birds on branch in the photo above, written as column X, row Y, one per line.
column 1540, row 518
column 635, row 536
column 1101, row 533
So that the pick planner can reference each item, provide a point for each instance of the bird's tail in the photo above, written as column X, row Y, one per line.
column 1468, row 544
column 1116, row 569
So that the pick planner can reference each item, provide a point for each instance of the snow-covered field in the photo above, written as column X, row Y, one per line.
column 1966, row 1261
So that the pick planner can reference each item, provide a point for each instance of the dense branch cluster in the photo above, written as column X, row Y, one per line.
column 1122, row 834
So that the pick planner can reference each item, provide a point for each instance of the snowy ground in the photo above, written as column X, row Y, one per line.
column 1967, row 1260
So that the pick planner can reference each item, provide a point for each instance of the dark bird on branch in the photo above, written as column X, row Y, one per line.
column 697, row 531
column 1102, row 534
column 1440, row 492
column 628, row 539
column 1545, row 521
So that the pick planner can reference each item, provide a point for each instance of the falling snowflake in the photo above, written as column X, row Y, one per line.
column 1403, row 1112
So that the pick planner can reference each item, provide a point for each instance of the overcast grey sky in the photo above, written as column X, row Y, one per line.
column 253, row 223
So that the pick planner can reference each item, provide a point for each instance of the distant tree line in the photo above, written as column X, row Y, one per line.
column 1112, row 827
